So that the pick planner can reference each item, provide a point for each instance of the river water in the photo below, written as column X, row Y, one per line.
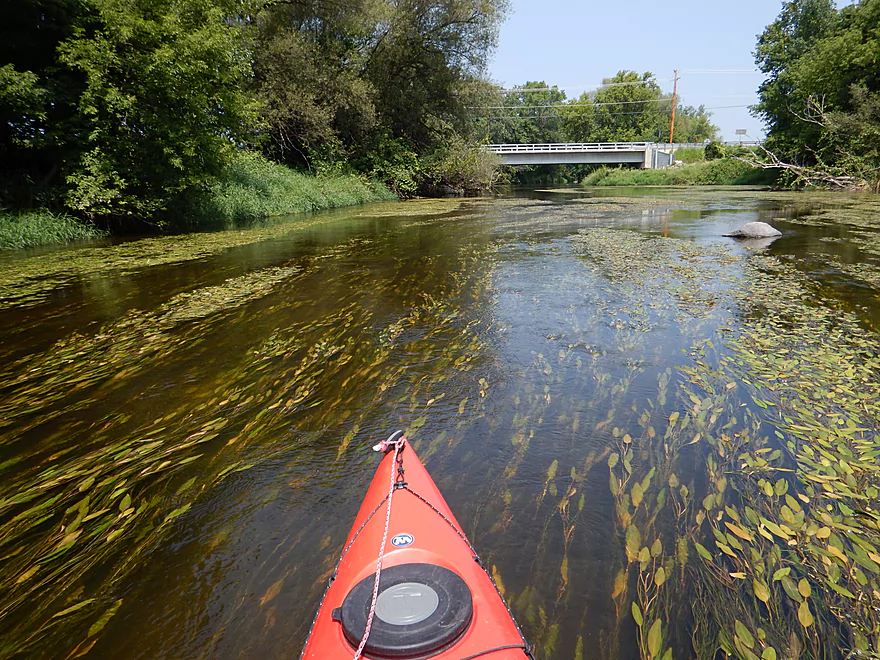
column 185, row 422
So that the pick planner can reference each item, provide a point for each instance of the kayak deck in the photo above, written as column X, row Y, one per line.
column 435, row 599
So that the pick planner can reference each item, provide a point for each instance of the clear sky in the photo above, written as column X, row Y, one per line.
column 576, row 43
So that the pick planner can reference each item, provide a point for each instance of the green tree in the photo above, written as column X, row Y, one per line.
column 37, row 97
column 821, row 101
column 693, row 124
column 423, row 55
column 23, row 103
column 163, row 101
column 781, row 47
column 341, row 81
column 854, row 136
column 308, row 77
column 628, row 108
column 528, row 114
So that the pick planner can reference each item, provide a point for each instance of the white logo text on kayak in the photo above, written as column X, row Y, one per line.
column 402, row 540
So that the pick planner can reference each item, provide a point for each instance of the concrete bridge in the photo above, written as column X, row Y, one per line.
column 647, row 155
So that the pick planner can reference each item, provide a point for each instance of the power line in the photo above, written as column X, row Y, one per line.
column 607, row 114
column 566, row 105
column 640, row 82
column 532, row 117
column 714, row 107
column 701, row 71
column 575, row 104
column 556, row 88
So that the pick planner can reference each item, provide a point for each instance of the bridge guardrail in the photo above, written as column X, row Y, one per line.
column 568, row 146
column 602, row 146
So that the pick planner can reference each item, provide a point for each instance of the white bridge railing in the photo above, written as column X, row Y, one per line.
column 578, row 147
column 581, row 147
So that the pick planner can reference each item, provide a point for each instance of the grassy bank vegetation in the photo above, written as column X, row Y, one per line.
column 690, row 155
column 252, row 187
column 724, row 172
column 26, row 230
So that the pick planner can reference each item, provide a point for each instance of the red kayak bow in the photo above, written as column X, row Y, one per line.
column 433, row 597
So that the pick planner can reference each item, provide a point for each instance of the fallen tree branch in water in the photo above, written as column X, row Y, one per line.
column 853, row 172
column 803, row 175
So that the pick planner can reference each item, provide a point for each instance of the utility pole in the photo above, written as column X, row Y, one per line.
column 674, row 92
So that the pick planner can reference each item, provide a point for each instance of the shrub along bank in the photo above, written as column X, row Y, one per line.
column 690, row 155
column 721, row 172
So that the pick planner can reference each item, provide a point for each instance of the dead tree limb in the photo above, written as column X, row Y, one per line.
column 803, row 175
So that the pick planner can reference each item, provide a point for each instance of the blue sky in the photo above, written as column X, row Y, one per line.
column 575, row 44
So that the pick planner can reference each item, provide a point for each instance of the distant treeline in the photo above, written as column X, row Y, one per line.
column 628, row 107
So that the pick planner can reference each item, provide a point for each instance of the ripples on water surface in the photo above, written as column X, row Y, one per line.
column 661, row 442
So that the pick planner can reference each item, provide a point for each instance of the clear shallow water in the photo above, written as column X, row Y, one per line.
column 239, row 386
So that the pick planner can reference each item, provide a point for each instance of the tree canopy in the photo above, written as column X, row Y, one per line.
column 821, row 99
column 162, row 100
column 527, row 114
column 120, row 108
column 626, row 108
column 333, row 78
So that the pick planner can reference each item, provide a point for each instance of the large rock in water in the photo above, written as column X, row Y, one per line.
column 755, row 230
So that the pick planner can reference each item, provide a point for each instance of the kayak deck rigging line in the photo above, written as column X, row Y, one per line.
column 397, row 441
column 429, row 596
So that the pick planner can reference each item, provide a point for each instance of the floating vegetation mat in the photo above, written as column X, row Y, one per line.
column 662, row 447
column 411, row 208
column 605, row 205
column 30, row 280
column 564, row 191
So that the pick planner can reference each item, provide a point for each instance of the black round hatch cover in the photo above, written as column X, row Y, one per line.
column 421, row 610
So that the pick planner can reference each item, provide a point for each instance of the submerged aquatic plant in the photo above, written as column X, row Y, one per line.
column 786, row 535
column 661, row 448
column 746, row 488
column 85, row 504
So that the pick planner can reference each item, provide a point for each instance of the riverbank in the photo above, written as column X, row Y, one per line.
column 26, row 230
column 249, row 190
column 720, row 172
column 252, row 188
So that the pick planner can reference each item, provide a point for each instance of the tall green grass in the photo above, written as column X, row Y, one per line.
column 24, row 230
column 723, row 172
column 690, row 154
column 251, row 188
